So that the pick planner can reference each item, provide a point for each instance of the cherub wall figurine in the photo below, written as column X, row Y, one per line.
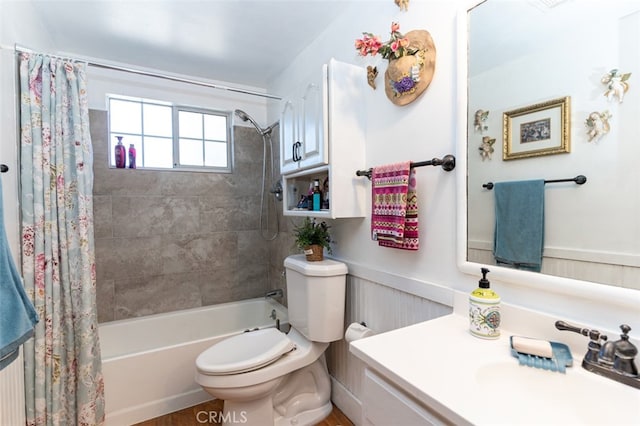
column 616, row 84
column 480, row 119
column 372, row 73
column 597, row 125
column 486, row 148
column 402, row 4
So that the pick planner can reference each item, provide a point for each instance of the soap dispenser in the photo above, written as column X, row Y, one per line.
column 484, row 310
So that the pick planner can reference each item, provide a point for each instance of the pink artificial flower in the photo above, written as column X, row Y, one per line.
column 375, row 45
column 371, row 44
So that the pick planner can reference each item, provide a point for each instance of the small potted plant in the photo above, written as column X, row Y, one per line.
column 312, row 237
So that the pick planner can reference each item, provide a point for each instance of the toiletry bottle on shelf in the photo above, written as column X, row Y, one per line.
column 317, row 195
column 132, row 156
column 120, row 153
column 484, row 310
column 310, row 197
column 325, row 194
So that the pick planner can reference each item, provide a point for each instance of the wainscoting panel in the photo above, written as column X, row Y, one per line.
column 596, row 267
column 382, row 308
column 12, row 393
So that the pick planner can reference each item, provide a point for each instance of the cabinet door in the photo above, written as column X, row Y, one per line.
column 398, row 407
column 313, row 121
column 290, row 147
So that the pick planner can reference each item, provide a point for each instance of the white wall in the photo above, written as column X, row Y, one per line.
column 103, row 82
column 12, row 30
column 419, row 131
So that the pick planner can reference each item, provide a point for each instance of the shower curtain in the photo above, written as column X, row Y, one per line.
column 63, row 377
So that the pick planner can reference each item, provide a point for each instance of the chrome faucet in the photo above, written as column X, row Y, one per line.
column 274, row 293
column 614, row 360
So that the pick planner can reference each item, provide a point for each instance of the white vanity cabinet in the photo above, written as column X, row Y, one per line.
column 384, row 404
column 436, row 372
column 322, row 136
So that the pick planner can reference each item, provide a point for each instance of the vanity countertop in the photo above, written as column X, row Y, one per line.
column 477, row 381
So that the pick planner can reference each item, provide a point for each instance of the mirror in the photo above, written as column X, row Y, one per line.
column 524, row 54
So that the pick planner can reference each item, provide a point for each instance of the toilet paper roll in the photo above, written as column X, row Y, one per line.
column 357, row 331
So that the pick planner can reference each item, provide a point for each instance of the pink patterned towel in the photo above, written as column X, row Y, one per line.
column 394, row 206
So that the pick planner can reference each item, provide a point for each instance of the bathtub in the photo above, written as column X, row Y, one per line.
column 148, row 363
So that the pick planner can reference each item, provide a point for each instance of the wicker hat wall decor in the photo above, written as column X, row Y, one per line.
column 409, row 76
column 412, row 62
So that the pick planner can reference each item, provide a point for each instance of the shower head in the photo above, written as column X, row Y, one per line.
column 246, row 117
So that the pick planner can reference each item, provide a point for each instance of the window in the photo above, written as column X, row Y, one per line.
column 167, row 136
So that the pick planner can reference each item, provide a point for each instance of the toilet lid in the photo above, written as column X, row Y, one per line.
column 244, row 352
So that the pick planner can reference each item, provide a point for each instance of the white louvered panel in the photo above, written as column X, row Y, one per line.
column 382, row 308
column 12, row 393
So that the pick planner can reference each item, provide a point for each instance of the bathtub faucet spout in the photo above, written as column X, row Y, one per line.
column 274, row 293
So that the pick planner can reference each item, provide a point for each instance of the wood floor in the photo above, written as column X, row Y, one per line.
column 199, row 415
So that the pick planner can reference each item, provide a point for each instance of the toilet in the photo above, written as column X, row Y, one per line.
column 267, row 377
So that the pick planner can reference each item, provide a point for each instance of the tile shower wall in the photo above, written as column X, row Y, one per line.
column 169, row 240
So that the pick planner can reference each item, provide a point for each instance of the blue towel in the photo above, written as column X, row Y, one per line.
column 17, row 315
column 519, row 227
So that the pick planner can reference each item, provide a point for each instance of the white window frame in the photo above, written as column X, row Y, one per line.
column 175, row 137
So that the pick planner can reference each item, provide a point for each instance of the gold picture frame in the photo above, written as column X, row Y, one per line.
column 535, row 130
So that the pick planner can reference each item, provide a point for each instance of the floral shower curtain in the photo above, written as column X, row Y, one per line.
column 63, row 377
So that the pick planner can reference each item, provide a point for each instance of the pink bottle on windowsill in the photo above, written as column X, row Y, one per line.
column 120, row 154
column 132, row 156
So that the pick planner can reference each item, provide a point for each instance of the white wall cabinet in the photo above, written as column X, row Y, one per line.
column 303, row 135
column 312, row 124
column 322, row 136
column 288, row 137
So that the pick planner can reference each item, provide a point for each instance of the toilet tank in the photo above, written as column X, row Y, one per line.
column 315, row 297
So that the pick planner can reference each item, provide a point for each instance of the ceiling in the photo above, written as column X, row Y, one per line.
column 237, row 41
column 503, row 30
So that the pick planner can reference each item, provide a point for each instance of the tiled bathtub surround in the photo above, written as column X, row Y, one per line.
column 169, row 240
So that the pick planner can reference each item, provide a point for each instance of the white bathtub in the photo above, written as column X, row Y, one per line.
column 149, row 362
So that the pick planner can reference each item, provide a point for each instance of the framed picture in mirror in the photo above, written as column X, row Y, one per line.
column 539, row 129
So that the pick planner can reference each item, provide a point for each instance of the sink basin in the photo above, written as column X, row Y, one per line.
column 575, row 397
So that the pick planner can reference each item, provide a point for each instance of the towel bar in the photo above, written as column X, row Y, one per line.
column 579, row 180
column 448, row 163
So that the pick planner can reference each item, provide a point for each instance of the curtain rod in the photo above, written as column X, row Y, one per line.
column 158, row 75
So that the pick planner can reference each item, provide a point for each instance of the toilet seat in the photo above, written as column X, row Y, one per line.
column 244, row 352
